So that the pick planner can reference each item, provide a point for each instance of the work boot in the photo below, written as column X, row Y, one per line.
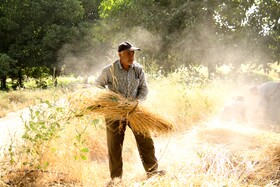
column 156, row 173
column 113, row 182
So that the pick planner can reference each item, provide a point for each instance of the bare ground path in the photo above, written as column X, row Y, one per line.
column 12, row 128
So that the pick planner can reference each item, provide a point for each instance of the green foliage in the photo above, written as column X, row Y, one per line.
column 37, row 72
column 45, row 124
column 91, row 9
column 79, row 143
column 67, row 81
column 33, row 32
column 7, row 65
column 195, row 32
column 107, row 7
column 37, row 33
column 257, row 22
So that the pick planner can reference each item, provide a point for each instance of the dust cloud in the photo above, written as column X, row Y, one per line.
column 201, row 46
column 88, row 61
column 83, row 61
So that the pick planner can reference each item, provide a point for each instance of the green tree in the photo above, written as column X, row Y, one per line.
column 197, row 31
column 256, row 23
column 171, row 20
column 33, row 31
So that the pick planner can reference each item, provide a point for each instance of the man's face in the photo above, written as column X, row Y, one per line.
column 126, row 57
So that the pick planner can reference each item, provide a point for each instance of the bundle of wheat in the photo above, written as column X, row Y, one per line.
column 114, row 106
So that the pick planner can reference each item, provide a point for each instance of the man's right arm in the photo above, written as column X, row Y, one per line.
column 102, row 79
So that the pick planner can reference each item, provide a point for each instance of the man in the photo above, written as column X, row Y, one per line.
column 235, row 110
column 268, row 106
column 127, row 78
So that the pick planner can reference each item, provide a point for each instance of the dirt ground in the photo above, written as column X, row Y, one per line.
column 12, row 128
column 171, row 149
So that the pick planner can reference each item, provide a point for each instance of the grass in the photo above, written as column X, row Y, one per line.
column 201, row 152
column 188, row 163
column 13, row 101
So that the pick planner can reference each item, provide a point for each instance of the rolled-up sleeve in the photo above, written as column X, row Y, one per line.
column 102, row 79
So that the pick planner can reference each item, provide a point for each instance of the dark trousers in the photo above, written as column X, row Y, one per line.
column 115, row 138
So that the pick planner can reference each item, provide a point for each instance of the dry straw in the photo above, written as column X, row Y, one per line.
column 114, row 107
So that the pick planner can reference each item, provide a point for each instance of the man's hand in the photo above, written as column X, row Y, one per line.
column 134, row 103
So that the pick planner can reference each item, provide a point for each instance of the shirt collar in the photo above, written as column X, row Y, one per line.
column 120, row 66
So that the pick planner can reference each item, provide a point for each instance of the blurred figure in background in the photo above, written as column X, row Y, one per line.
column 235, row 110
column 268, row 102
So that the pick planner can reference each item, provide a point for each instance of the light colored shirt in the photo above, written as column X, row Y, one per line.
column 131, row 84
column 267, row 92
column 269, row 100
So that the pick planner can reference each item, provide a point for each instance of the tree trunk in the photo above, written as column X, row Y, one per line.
column 4, row 83
column 20, row 82
column 54, row 78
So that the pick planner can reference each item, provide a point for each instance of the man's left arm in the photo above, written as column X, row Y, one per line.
column 142, row 89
